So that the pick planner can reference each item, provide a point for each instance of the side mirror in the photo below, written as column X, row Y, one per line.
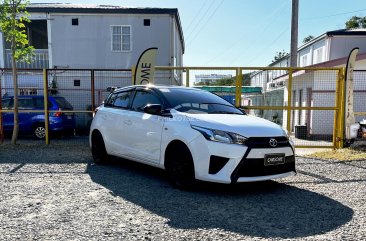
column 153, row 109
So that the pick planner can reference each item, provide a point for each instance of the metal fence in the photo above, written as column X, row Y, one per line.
column 359, row 94
column 84, row 89
column 305, row 101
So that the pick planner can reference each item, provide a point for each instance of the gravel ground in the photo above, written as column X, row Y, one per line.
column 56, row 193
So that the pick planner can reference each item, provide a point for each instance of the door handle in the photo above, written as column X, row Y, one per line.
column 127, row 122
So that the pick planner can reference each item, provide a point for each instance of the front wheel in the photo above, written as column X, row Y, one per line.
column 99, row 153
column 180, row 167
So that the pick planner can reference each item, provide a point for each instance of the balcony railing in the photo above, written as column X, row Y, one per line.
column 40, row 60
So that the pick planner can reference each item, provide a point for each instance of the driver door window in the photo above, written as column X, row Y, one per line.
column 142, row 98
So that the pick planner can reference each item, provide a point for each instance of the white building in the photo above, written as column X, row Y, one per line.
column 314, row 89
column 208, row 79
column 99, row 37
column 68, row 36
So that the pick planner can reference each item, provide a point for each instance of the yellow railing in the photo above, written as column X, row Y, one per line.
column 338, row 108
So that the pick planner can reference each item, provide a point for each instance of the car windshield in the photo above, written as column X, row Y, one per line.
column 197, row 102
column 63, row 103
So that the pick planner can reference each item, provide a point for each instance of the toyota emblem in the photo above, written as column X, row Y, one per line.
column 273, row 142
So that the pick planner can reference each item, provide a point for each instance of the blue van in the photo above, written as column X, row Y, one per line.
column 34, row 122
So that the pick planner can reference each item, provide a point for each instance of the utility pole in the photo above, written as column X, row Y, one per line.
column 294, row 32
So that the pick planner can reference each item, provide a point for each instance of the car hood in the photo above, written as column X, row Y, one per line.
column 245, row 125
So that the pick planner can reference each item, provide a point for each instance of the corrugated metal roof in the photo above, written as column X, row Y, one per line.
column 356, row 31
column 81, row 6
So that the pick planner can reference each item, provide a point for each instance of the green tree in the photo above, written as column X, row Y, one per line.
column 356, row 22
column 13, row 16
column 279, row 55
column 307, row 39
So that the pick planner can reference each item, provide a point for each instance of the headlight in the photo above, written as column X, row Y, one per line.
column 286, row 133
column 220, row 136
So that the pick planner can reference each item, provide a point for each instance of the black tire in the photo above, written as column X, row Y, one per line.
column 39, row 132
column 99, row 153
column 179, row 166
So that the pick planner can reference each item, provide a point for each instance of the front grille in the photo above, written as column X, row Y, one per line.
column 256, row 167
column 263, row 142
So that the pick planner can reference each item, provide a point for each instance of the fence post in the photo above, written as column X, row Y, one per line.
column 1, row 113
column 341, row 108
column 289, row 100
column 337, row 112
column 45, row 96
column 238, row 84
column 92, row 90
column 187, row 77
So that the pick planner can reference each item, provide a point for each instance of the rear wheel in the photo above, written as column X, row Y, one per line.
column 99, row 152
column 180, row 167
column 39, row 131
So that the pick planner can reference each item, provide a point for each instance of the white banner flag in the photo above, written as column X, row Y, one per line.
column 145, row 68
column 349, row 113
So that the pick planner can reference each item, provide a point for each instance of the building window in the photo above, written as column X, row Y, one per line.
column 146, row 22
column 319, row 55
column 304, row 61
column 76, row 82
column 75, row 21
column 121, row 38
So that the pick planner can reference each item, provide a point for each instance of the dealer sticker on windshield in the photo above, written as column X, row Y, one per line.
column 274, row 159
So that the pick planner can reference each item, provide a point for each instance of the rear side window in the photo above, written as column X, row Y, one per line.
column 39, row 103
column 142, row 98
column 63, row 103
column 121, row 99
column 26, row 103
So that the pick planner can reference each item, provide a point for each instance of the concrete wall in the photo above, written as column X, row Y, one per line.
column 88, row 45
column 342, row 45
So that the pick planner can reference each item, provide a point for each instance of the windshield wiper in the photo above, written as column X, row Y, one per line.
column 224, row 112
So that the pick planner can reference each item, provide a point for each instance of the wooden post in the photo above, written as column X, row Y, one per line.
column 45, row 96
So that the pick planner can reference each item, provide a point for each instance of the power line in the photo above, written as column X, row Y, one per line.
column 207, row 20
column 265, row 49
column 202, row 17
column 198, row 13
column 333, row 15
column 284, row 4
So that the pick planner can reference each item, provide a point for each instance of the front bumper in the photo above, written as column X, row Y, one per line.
column 244, row 163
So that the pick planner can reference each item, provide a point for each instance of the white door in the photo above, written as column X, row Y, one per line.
column 143, row 131
column 116, row 109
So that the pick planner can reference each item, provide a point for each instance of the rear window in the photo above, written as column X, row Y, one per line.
column 63, row 103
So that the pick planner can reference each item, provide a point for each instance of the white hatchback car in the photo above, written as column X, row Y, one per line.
column 191, row 133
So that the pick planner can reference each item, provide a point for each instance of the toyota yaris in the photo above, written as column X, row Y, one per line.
column 192, row 134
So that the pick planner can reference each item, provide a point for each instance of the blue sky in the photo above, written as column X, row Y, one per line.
column 245, row 32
